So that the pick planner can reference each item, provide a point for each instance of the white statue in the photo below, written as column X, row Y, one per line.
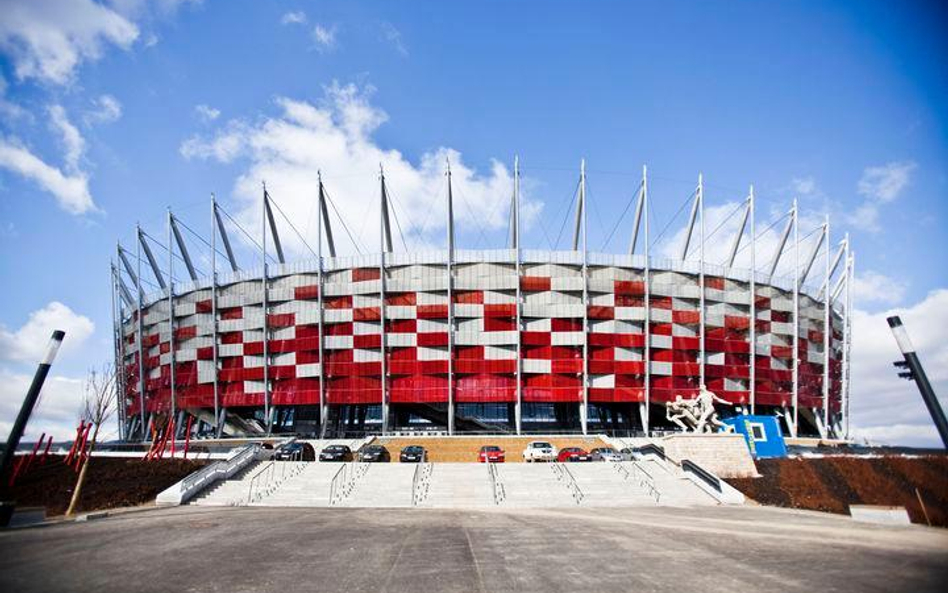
column 698, row 414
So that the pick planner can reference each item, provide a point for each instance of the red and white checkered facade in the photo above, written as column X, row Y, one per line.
column 536, row 327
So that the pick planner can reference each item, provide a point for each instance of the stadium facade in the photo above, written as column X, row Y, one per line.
column 512, row 340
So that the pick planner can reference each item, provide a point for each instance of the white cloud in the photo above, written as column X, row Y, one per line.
column 874, row 287
column 325, row 38
column 722, row 222
column 73, row 144
column 48, row 39
column 70, row 190
column 56, row 413
column 9, row 109
column 206, row 112
column 105, row 110
column 803, row 186
column 394, row 37
column 293, row 18
column 885, row 408
column 28, row 343
column 336, row 136
column 878, row 186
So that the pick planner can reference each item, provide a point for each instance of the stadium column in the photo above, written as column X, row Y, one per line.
column 701, row 314
column 827, row 303
column 139, row 329
column 214, row 326
column 584, row 411
column 117, row 344
column 319, row 296
column 171, row 324
column 450, row 286
column 796, row 319
column 648, row 308
column 752, row 287
column 266, row 338
column 384, row 242
column 515, row 230
column 847, row 335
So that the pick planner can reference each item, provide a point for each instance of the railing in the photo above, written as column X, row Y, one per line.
column 712, row 481
column 564, row 475
column 640, row 474
column 496, row 486
column 215, row 471
column 344, row 481
column 260, row 481
column 651, row 448
column 421, row 483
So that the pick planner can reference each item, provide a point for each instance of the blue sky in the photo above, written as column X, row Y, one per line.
column 112, row 112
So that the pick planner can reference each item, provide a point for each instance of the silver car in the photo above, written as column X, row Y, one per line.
column 605, row 454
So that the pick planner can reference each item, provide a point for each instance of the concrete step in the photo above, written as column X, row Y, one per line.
column 459, row 485
column 383, row 485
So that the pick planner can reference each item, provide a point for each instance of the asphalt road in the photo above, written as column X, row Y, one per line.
column 424, row 550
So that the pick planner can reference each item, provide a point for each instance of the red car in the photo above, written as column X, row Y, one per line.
column 491, row 454
column 573, row 454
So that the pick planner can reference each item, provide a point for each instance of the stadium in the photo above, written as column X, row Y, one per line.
column 514, row 340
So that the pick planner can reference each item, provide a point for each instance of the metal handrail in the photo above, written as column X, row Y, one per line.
column 564, row 475
column 709, row 479
column 269, row 468
column 337, row 482
column 647, row 481
column 421, row 483
column 497, row 487
column 212, row 472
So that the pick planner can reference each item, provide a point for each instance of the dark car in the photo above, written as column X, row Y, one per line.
column 289, row 452
column 374, row 454
column 570, row 454
column 413, row 454
column 336, row 453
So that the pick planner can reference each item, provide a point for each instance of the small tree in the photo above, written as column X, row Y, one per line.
column 98, row 405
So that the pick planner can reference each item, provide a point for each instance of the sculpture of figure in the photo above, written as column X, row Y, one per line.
column 708, row 418
column 682, row 412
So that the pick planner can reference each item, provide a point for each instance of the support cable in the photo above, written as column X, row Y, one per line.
column 345, row 227
column 625, row 211
column 292, row 226
column 668, row 224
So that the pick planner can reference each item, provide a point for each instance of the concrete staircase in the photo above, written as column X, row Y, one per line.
column 459, row 485
column 533, row 485
column 309, row 488
column 230, row 492
column 674, row 487
column 383, row 485
column 602, row 485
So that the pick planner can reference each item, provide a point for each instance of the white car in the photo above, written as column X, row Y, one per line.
column 539, row 451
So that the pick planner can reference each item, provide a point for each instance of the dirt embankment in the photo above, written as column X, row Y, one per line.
column 110, row 482
column 831, row 484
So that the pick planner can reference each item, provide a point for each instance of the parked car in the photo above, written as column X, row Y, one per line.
column 539, row 451
column 374, row 454
column 628, row 454
column 336, row 453
column 605, row 454
column 571, row 454
column 413, row 454
column 289, row 452
column 491, row 453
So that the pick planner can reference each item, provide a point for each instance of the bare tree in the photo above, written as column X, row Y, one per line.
column 98, row 405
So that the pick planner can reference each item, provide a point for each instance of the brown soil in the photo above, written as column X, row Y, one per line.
column 465, row 449
column 110, row 482
column 831, row 484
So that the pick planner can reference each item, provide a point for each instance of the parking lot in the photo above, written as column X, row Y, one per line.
column 589, row 549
